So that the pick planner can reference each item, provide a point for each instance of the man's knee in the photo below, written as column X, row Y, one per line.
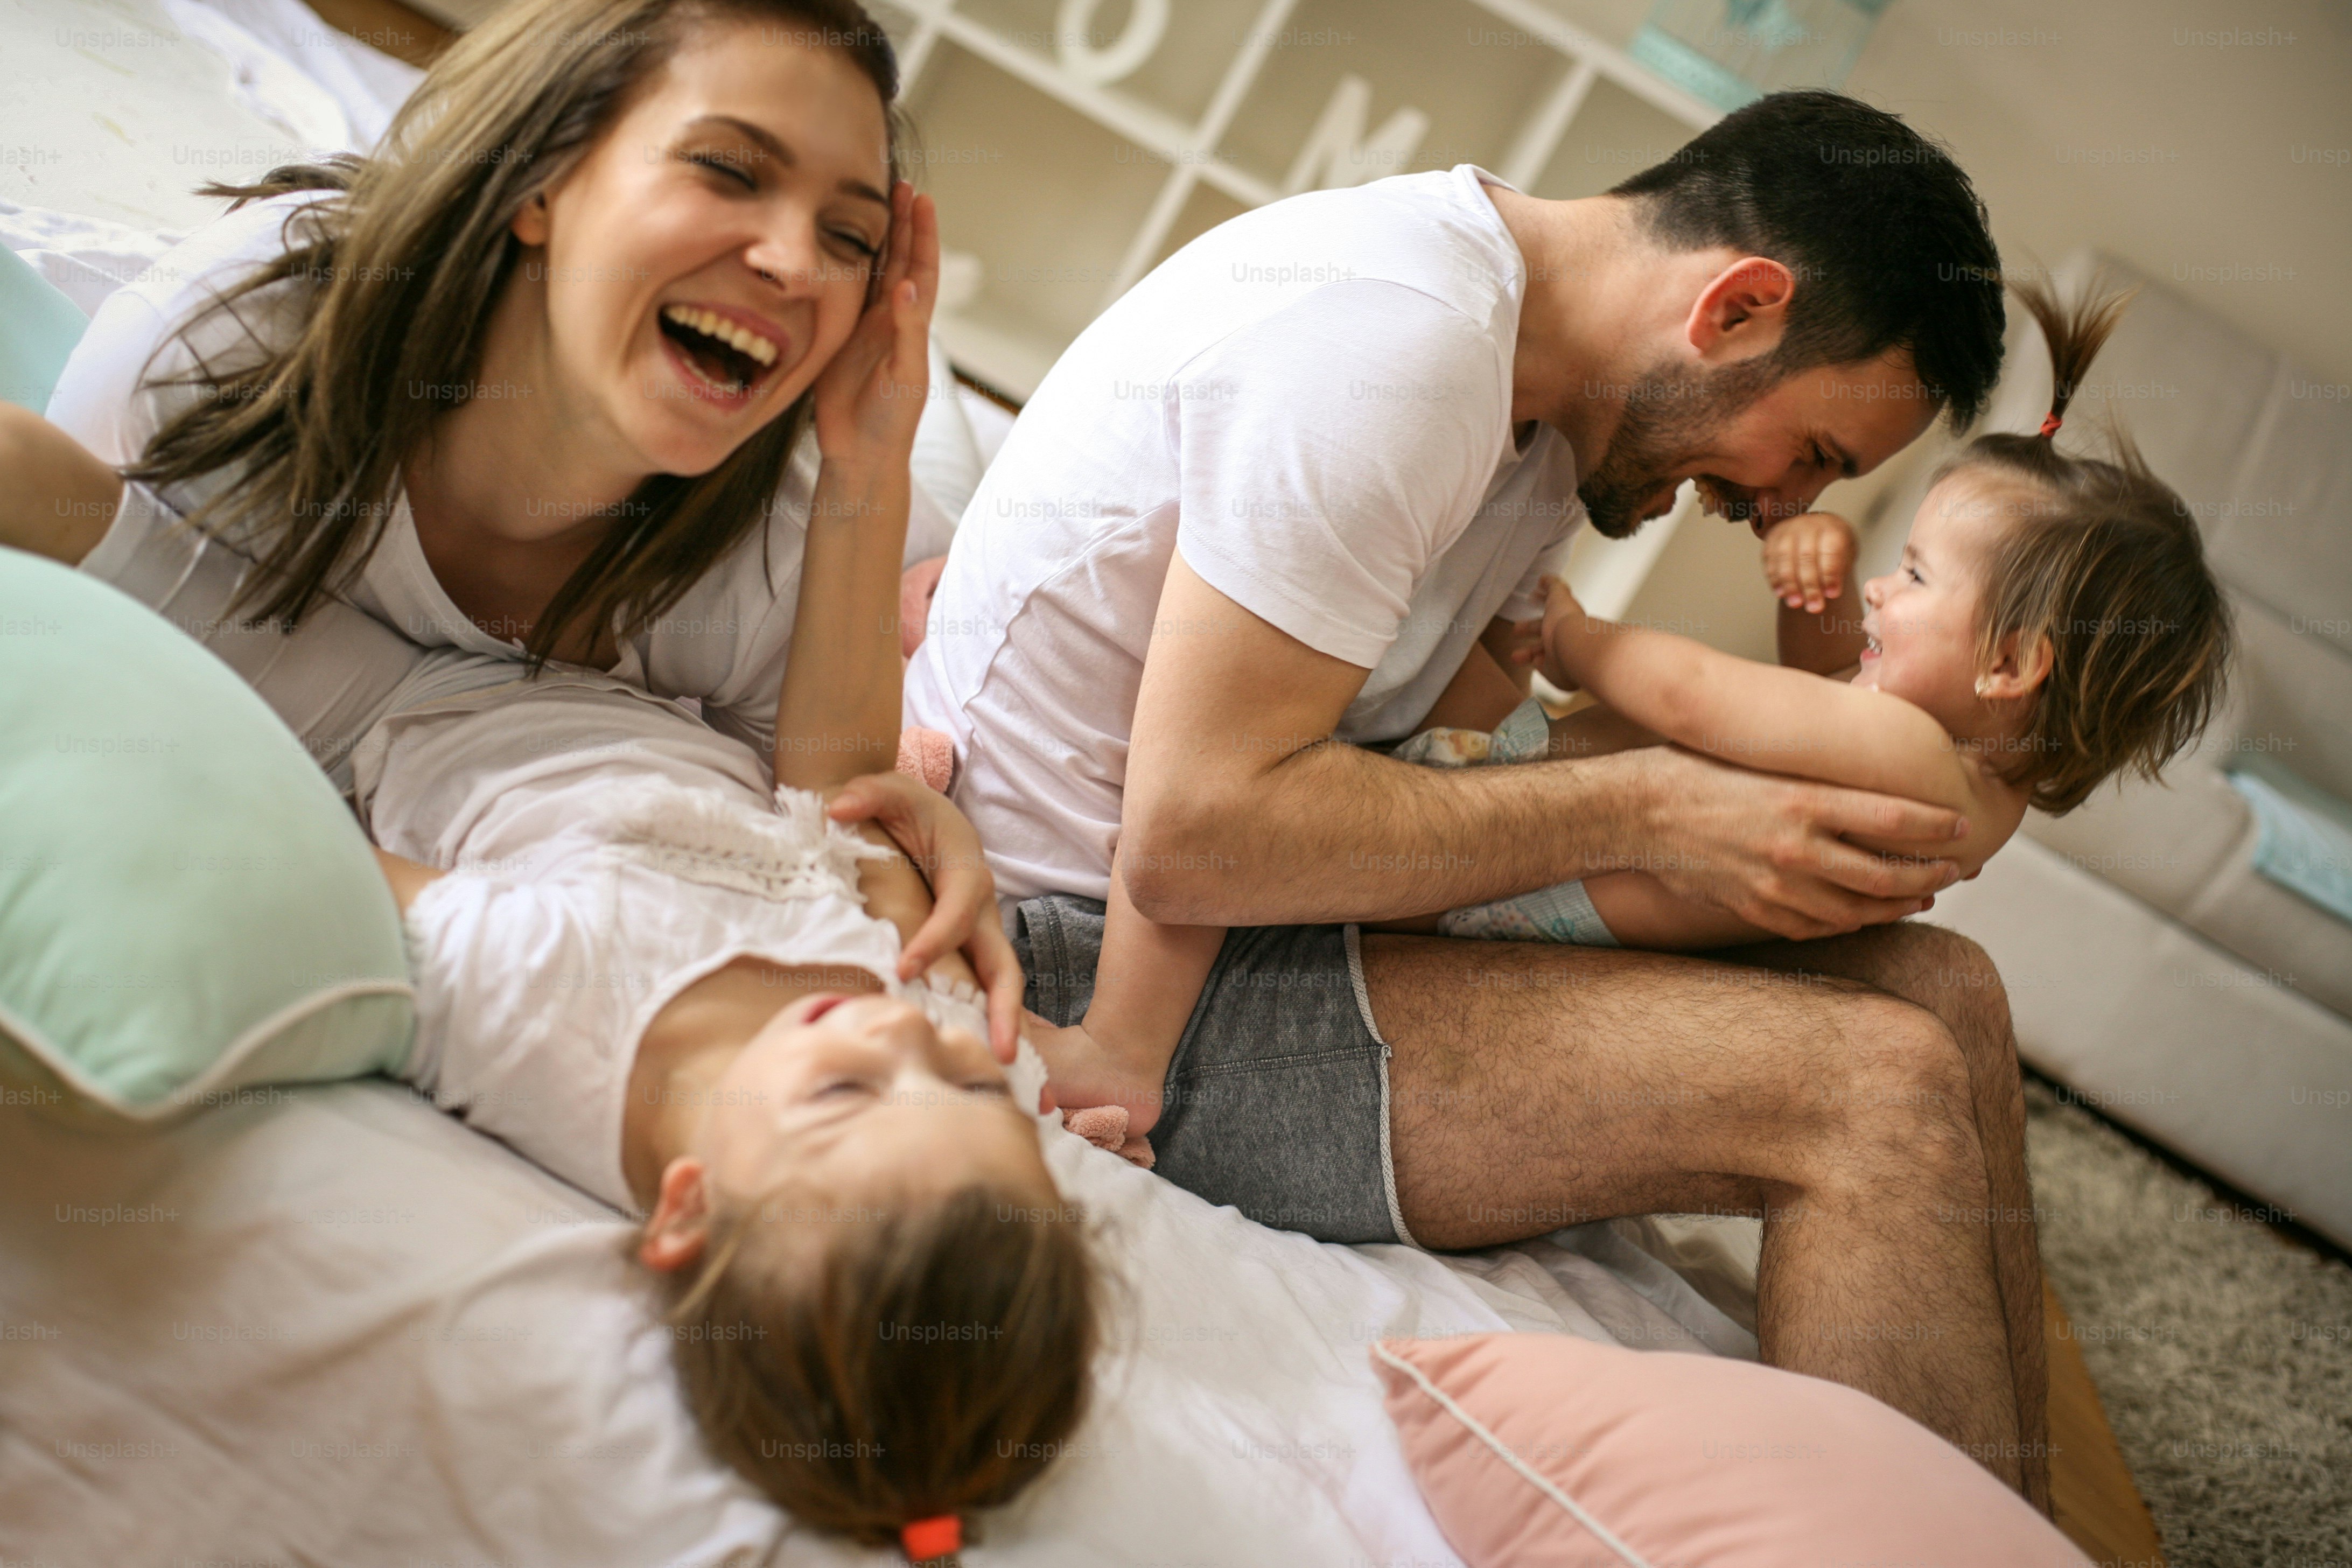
column 1952, row 962
column 1941, row 968
column 1902, row 1088
column 1951, row 976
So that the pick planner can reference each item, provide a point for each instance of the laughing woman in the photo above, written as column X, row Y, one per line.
column 532, row 380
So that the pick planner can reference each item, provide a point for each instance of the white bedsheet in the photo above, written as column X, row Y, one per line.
column 337, row 1327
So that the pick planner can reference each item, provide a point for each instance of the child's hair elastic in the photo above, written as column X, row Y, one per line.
column 2050, row 427
column 930, row 1540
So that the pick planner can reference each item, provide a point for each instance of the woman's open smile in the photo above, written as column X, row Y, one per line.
column 724, row 353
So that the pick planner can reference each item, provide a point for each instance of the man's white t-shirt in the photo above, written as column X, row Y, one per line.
column 1313, row 403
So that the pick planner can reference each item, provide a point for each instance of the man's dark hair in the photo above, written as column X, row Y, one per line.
column 1881, row 228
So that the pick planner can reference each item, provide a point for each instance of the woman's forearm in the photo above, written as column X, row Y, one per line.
column 837, row 715
column 56, row 497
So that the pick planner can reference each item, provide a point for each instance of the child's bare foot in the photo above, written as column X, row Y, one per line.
column 1084, row 1072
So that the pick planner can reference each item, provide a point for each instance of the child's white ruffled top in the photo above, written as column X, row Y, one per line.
column 605, row 850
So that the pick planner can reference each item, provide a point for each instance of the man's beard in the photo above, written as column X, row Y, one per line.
column 1670, row 413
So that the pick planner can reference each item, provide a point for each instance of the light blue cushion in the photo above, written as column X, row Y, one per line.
column 186, row 905
column 38, row 328
column 2302, row 836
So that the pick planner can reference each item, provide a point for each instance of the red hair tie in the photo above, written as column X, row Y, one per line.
column 2050, row 427
column 927, row 1539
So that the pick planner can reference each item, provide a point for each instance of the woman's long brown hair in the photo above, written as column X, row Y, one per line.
column 406, row 253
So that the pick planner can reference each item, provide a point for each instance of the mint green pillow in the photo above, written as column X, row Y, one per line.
column 187, row 908
column 39, row 329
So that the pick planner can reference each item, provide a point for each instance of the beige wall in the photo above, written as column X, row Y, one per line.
column 2024, row 92
column 2222, row 125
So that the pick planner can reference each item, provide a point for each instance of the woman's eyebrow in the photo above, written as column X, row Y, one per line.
column 784, row 155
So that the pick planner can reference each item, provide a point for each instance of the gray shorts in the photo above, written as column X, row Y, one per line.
column 1277, row 1097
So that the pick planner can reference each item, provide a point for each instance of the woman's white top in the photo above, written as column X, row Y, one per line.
column 605, row 850
column 723, row 643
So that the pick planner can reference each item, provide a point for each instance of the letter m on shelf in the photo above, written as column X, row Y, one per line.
column 1338, row 152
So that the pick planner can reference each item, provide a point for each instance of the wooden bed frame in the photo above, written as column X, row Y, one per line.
column 2091, row 1489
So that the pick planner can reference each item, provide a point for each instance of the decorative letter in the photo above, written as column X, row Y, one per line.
column 1146, row 21
column 1338, row 153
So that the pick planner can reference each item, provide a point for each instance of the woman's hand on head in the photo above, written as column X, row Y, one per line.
column 945, row 846
column 868, row 401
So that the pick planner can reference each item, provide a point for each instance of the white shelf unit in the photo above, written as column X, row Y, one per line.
column 1073, row 144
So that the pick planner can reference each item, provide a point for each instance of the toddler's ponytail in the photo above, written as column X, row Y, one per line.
column 2074, row 335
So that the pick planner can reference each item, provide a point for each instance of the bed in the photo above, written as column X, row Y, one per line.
column 335, row 1326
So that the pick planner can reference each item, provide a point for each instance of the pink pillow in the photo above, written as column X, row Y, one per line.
column 918, row 585
column 1549, row 1449
column 927, row 755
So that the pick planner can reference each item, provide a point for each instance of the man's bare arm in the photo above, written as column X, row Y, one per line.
column 1240, row 810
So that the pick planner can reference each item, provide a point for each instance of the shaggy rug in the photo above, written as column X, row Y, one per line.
column 2221, row 1349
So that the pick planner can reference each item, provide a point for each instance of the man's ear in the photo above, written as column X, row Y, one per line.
column 680, row 1225
column 1742, row 310
column 2014, row 674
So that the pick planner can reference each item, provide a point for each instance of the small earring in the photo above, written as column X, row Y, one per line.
column 1984, row 685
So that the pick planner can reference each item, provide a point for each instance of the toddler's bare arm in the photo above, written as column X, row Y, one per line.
column 1147, row 980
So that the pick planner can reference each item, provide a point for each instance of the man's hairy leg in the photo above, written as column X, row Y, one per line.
column 1950, row 976
column 1533, row 1086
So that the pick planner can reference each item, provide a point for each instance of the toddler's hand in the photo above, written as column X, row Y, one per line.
column 1806, row 559
column 1528, row 649
column 1563, row 621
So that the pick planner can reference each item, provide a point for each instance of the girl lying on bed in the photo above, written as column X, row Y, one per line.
column 644, row 973
column 2052, row 621
column 675, row 979
column 523, row 393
